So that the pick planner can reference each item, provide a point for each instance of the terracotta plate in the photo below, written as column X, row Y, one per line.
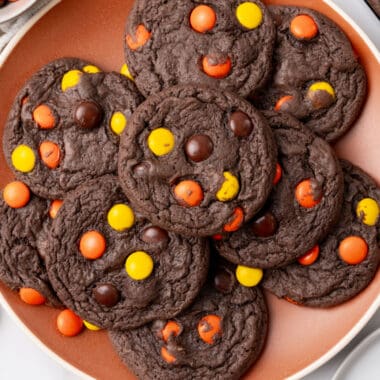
column 300, row 339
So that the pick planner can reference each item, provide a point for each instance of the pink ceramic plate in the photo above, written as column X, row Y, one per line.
column 300, row 339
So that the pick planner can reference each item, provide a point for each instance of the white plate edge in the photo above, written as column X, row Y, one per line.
column 18, row 10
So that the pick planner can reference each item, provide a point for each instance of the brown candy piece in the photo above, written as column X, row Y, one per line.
column 240, row 124
column 199, row 148
column 265, row 225
column 154, row 234
column 88, row 115
column 106, row 294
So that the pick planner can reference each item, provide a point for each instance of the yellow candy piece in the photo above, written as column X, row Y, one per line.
column 249, row 15
column 368, row 211
column 139, row 265
column 118, row 123
column 71, row 79
column 91, row 69
column 23, row 159
column 90, row 326
column 247, row 276
column 120, row 217
column 125, row 71
column 323, row 86
column 229, row 189
column 161, row 141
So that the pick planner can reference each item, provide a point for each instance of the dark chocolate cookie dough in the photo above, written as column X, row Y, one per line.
column 197, row 161
column 303, row 206
column 64, row 126
column 218, row 337
column 24, row 220
column 346, row 261
column 316, row 77
column 225, row 44
column 114, row 268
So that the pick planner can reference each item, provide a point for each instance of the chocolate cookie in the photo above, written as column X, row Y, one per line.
column 197, row 161
column 346, row 261
column 317, row 77
column 219, row 336
column 114, row 268
column 24, row 221
column 303, row 206
column 64, row 126
column 224, row 44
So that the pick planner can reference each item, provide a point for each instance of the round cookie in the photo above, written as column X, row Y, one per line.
column 343, row 263
column 197, row 161
column 220, row 336
column 24, row 222
column 64, row 126
column 304, row 204
column 114, row 268
column 317, row 77
column 224, row 44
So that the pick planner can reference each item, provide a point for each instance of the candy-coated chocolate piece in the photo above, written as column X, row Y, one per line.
column 125, row 71
column 309, row 257
column 139, row 265
column 247, row 276
column 16, row 194
column 308, row 193
column 283, row 100
column 303, row 27
column 50, row 154
column 71, row 79
column 229, row 189
column 321, row 95
column 141, row 37
column 161, row 141
column 118, row 123
column 210, row 328
column 54, row 208
column 167, row 356
column 215, row 67
column 353, row 250
column 264, row 225
column 240, row 124
column 31, row 296
column 171, row 329
column 120, row 217
column 68, row 323
column 106, row 294
column 88, row 115
column 202, row 18
column 278, row 175
column 23, row 158
column 154, row 234
column 91, row 69
column 199, row 148
column 90, row 326
column 188, row 193
column 368, row 211
column 236, row 222
column 223, row 281
column 44, row 116
column 249, row 15
column 92, row 245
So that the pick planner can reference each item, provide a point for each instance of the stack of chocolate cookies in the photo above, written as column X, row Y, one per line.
column 159, row 202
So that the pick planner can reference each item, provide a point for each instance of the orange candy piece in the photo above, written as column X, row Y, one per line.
column 31, row 296
column 278, row 175
column 141, row 37
column 309, row 257
column 54, row 208
column 172, row 328
column 16, row 194
column 291, row 300
column 92, row 245
column 282, row 101
column 50, row 154
column 216, row 70
column 305, row 194
column 353, row 250
column 189, row 193
column 202, row 18
column 167, row 356
column 303, row 27
column 210, row 328
column 68, row 323
column 44, row 117
column 236, row 222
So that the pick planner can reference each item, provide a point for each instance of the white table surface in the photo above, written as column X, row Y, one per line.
column 21, row 359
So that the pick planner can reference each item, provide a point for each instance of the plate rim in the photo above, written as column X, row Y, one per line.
column 18, row 10
column 340, row 345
